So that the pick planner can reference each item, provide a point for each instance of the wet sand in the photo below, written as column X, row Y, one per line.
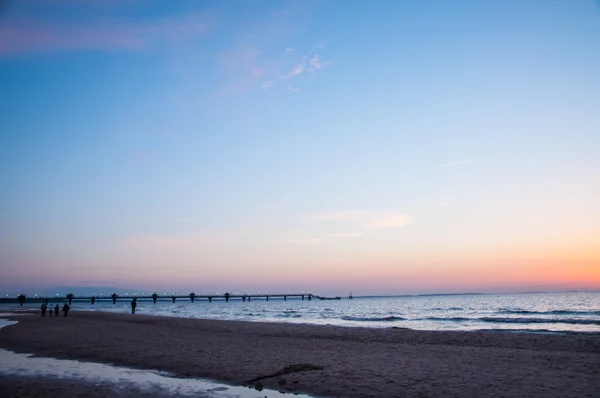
column 328, row 361
column 17, row 387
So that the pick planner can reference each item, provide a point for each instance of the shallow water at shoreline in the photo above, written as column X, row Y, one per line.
column 120, row 378
column 526, row 312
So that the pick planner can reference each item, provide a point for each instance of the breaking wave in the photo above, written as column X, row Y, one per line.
column 374, row 319
column 519, row 320
column 556, row 312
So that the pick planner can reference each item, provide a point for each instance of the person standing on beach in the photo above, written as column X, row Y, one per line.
column 66, row 309
column 133, row 305
column 55, row 310
column 44, row 309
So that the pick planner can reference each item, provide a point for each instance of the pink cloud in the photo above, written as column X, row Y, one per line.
column 35, row 36
column 297, row 70
column 317, row 63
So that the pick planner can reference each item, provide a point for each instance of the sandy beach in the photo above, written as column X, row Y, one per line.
column 327, row 361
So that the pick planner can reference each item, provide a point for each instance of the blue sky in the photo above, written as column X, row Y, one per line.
column 392, row 145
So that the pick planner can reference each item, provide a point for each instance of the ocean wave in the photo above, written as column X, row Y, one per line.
column 519, row 320
column 288, row 315
column 542, row 320
column 544, row 331
column 447, row 309
column 374, row 319
column 555, row 312
column 451, row 319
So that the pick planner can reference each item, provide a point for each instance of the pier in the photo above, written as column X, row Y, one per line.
column 154, row 297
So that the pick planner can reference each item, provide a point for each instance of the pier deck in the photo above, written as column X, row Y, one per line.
column 70, row 298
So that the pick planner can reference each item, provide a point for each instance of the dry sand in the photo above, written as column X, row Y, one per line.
column 326, row 361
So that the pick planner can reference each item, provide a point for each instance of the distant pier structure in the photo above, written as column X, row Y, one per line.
column 114, row 297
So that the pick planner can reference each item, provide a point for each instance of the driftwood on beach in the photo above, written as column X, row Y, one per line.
column 327, row 361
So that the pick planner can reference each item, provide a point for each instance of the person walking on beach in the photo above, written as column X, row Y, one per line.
column 55, row 310
column 44, row 308
column 133, row 305
column 66, row 309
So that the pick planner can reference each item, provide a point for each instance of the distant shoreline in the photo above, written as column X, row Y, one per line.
column 106, row 296
column 340, row 361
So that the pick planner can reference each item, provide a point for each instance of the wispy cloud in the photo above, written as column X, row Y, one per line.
column 45, row 35
column 393, row 220
column 319, row 46
column 314, row 63
column 295, row 71
column 289, row 50
column 375, row 219
column 317, row 63
column 460, row 162
column 248, row 65
column 268, row 84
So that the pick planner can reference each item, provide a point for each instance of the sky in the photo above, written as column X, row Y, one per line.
column 373, row 147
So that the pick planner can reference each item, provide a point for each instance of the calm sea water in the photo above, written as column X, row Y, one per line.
column 529, row 312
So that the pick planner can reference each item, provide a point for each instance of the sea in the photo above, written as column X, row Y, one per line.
column 562, row 313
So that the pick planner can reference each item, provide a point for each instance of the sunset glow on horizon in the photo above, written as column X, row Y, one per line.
column 369, row 147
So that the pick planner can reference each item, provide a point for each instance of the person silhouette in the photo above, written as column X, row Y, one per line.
column 133, row 305
column 66, row 309
column 55, row 310
column 44, row 309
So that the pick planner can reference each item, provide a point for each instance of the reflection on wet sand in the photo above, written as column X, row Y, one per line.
column 121, row 379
